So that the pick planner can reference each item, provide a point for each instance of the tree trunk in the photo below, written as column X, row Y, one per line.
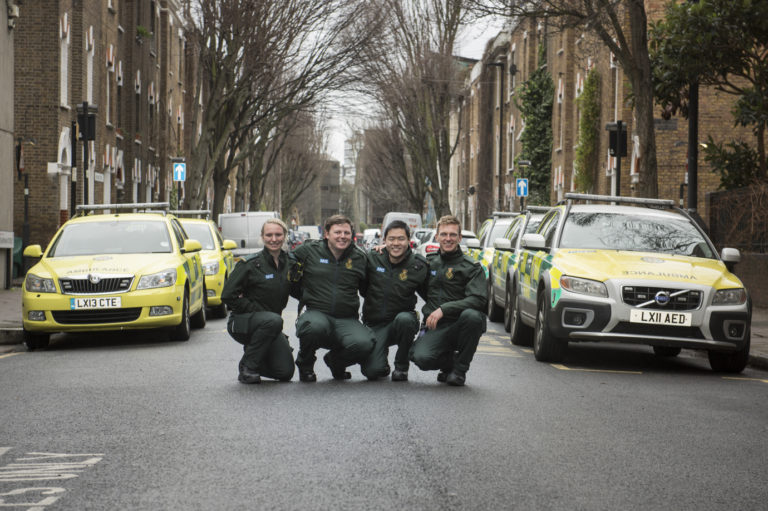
column 640, row 76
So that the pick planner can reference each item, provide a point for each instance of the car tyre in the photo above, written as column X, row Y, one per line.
column 666, row 351
column 546, row 347
column 36, row 341
column 184, row 330
column 731, row 361
column 519, row 333
column 199, row 319
column 495, row 313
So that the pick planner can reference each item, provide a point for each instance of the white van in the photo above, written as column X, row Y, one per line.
column 413, row 220
column 245, row 230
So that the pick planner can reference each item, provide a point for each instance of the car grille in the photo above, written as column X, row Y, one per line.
column 106, row 285
column 85, row 317
column 624, row 327
column 688, row 299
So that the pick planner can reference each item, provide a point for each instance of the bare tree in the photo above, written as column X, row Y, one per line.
column 622, row 27
column 413, row 79
column 388, row 175
column 260, row 60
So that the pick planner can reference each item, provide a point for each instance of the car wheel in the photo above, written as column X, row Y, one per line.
column 666, row 351
column 519, row 334
column 731, row 361
column 36, row 341
column 495, row 313
column 508, row 307
column 546, row 347
column 183, row 331
column 219, row 311
column 198, row 320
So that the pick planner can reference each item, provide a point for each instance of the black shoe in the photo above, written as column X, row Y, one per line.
column 338, row 373
column 308, row 375
column 456, row 378
column 398, row 375
column 248, row 376
column 442, row 376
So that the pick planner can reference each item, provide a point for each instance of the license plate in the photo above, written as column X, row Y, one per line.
column 101, row 302
column 660, row 317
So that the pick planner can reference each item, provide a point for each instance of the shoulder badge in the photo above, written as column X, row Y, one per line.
column 404, row 274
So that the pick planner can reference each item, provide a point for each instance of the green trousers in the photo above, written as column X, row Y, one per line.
column 400, row 333
column 265, row 348
column 451, row 345
column 349, row 342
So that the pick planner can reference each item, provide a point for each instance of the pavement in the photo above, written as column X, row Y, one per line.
column 11, row 331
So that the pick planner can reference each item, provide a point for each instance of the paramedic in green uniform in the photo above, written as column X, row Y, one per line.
column 454, row 309
column 395, row 274
column 256, row 294
column 331, row 271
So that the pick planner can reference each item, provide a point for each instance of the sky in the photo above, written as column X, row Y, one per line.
column 471, row 45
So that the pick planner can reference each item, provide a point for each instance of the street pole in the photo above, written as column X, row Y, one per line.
column 73, row 172
column 693, row 147
column 619, row 129
column 25, row 227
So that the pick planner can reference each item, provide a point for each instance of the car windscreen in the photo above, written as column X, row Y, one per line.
column 533, row 223
column 637, row 233
column 499, row 228
column 201, row 233
column 112, row 237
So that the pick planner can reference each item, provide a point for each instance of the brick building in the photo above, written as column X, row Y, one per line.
column 491, row 138
column 129, row 59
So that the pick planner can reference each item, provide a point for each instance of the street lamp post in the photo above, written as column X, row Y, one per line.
column 86, row 119
column 19, row 171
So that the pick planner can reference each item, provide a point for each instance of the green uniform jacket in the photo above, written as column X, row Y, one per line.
column 392, row 288
column 456, row 282
column 328, row 285
column 257, row 285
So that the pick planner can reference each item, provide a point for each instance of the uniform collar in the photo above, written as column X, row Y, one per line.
column 451, row 256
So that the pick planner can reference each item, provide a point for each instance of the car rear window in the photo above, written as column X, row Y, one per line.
column 112, row 237
column 638, row 233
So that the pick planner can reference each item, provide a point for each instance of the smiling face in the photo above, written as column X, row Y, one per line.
column 339, row 237
column 273, row 236
column 448, row 236
column 397, row 244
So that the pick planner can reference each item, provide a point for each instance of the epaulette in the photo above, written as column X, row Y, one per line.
column 250, row 257
column 470, row 260
column 433, row 255
column 418, row 260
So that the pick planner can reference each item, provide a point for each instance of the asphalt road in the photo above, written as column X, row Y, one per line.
column 137, row 422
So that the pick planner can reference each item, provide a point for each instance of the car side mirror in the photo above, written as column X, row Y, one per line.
column 502, row 244
column 533, row 240
column 730, row 257
column 473, row 243
column 33, row 251
column 228, row 245
column 191, row 246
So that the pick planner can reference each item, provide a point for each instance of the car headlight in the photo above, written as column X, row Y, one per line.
column 211, row 268
column 583, row 286
column 35, row 284
column 730, row 297
column 164, row 278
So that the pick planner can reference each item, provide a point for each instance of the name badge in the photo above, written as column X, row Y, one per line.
column 433, row 272
column 380, row 269
column 270, row 276
column 324, row 261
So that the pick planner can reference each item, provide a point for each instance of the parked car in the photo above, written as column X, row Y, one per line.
column 371, row 238
column 216, row 256
column 639, row 272
column 412, row 220
column 115, row 271
column 419, row 235
column 502, row 268
column 491, row 229
column 244, row 229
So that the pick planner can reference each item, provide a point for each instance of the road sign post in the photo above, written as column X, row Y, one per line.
column 179, row 175
column 523, row 164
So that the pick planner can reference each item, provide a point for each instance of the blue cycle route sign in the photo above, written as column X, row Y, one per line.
column 521, row 185
column 179, row 171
